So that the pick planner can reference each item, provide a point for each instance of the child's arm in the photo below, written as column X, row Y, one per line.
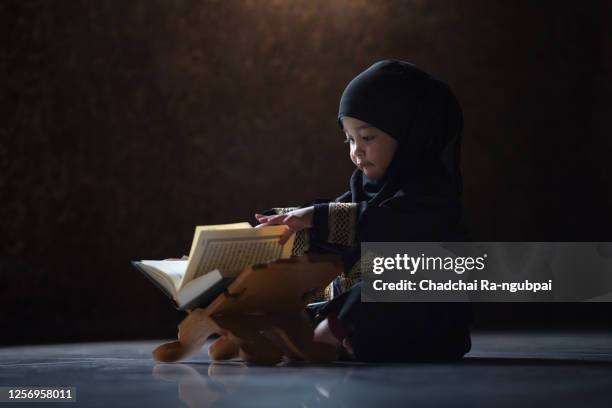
column 399, row 219
column 335, row 223
column 302, row 237
column 332, row 223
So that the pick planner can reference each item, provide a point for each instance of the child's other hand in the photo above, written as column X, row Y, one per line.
column 296, row 220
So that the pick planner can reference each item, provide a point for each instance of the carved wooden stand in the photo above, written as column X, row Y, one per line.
column 260, row 316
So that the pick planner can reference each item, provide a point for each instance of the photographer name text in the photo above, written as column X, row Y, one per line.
column 461, row 286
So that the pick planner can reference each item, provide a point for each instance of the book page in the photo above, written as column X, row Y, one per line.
column 232, row 256
column 173, row 271
column 236, row 225
column 196, row 287
column 231, row 251
column 217, row 227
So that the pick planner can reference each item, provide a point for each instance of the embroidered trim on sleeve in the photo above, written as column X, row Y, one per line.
column 301, row 243
column 284, row 210
column 342, row 218
column 345, row 280
column 349, row 279
column 354, row 275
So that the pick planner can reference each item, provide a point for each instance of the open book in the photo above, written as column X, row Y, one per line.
column 218, row 254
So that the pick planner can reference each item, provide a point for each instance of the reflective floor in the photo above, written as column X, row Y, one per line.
column 511, row 369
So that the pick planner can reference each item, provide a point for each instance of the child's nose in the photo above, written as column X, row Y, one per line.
column 359, row 147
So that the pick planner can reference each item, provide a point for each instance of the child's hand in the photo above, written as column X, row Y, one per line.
column 296, row 220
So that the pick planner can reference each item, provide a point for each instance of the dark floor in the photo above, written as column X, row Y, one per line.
column 503, row 369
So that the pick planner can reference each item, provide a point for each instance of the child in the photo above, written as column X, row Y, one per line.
column 403, row 128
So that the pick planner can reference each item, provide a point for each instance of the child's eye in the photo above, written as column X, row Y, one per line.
column 349, row 140
column 368, row 138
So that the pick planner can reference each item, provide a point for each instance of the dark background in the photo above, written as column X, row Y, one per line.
column 126, row 123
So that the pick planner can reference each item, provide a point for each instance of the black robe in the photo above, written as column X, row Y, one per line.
column 395, row 331
column 417, row 200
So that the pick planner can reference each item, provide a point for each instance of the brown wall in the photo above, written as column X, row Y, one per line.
column 126, row 123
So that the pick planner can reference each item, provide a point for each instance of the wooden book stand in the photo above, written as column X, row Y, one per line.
column 260, row 316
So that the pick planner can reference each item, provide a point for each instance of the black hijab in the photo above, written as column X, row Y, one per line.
column 418, row 199
column 423, row 115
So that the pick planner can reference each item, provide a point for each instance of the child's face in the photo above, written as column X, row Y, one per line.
column 371, row 149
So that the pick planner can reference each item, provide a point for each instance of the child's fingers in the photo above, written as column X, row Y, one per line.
column 261, row 218
column 268, row 218
column 275, row 219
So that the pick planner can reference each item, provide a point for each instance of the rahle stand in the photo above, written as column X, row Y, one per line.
column 260, row 316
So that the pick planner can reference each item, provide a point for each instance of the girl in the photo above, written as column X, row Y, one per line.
column 403, row 128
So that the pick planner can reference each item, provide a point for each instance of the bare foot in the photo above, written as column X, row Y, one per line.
column 324, row 334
